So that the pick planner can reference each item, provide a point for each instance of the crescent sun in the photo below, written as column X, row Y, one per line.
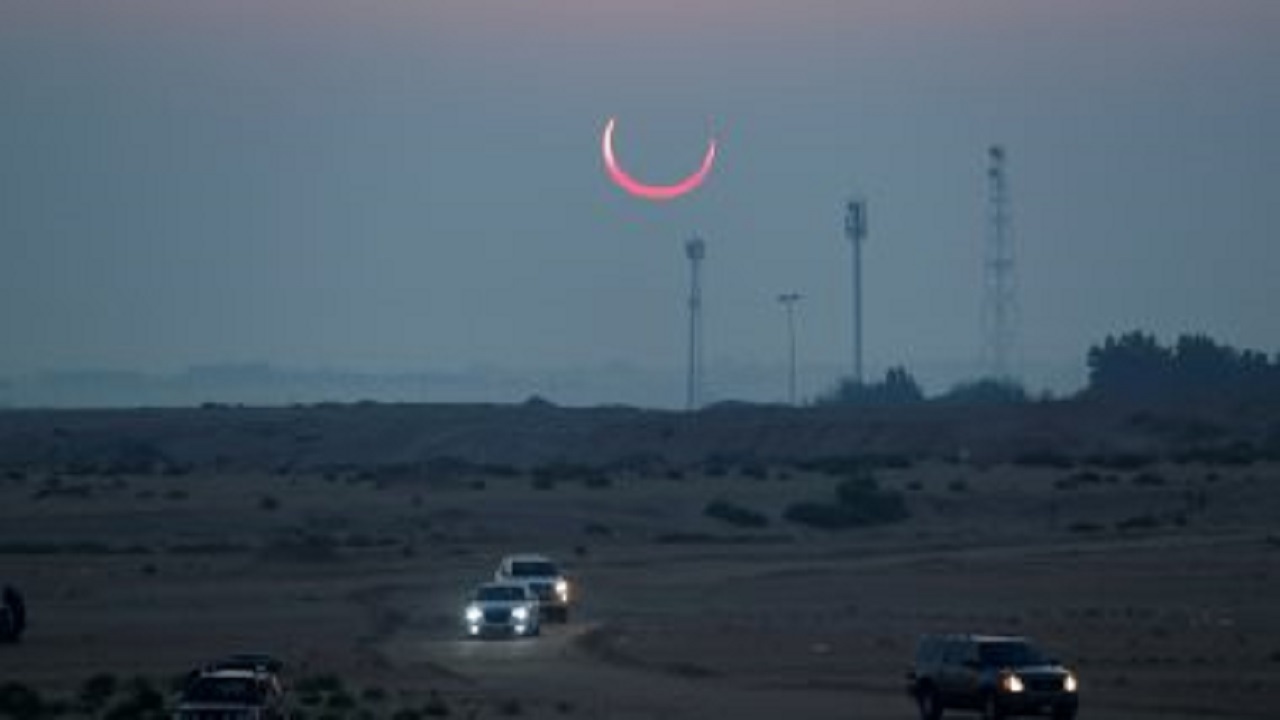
column 647, row 191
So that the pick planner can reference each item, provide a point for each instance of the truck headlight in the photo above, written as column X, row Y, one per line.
column 1012, row 683
column 473, row 614
column 521, row 614
column 1071, row 684
column 562, row 589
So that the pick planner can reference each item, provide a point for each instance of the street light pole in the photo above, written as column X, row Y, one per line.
column 855, row 229
column 789, row 301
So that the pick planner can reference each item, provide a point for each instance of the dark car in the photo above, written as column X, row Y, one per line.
column 998, row 676
column 239, row 687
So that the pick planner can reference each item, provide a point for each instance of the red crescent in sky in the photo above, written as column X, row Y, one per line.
column 652, row 192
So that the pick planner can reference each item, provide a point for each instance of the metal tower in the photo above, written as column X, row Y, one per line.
column 696, row 250
column 789, row 301
column 855, row 229
column 1000, row 299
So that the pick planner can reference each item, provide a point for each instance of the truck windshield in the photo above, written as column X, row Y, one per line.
column 236, row 691
column 500, row 593
column 1010, row 654
column 533, row 569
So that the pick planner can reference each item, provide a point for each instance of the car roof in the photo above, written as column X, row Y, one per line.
column 511, row 584
column 974, row 637
column 526, row 557
column 230, row 674
column 259, row 662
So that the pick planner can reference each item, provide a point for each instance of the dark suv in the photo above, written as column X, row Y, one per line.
column 999, row 676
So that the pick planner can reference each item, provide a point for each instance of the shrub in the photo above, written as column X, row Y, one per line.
column 270, row 503
column 1122, row 461
column 144, row 702
column 897, row 388
column 825, row 516
column 96, row 690
column 20, row 702
column 1044, row 458
column 436, row 706
column 1084, row 527
column 987, row 391
column 735, row 515
column 1148, row 479
column 869, row 504
column 1139, row 522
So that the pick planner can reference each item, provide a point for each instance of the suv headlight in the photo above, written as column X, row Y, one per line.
column 1012, row 683
column 562, row 589
column 1071, row 684
column 473, row 613
column 520, row 613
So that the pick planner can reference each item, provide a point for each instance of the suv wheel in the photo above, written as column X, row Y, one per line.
column 930, row 704
column 991, row 708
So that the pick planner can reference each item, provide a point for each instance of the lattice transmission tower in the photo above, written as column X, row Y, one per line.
column 1000, row 296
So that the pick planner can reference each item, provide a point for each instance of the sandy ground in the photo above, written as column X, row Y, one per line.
column 679, row 615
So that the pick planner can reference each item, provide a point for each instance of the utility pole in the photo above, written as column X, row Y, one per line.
column 855, row 229
column 789, row 301
column 696, row 250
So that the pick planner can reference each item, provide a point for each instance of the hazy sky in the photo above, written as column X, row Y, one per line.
column 416, row 184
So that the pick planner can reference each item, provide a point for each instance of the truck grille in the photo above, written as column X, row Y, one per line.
column 497, row 616
column 1050, row 684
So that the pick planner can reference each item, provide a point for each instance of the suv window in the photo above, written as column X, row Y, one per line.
column 956, row 652
column 1010, row 654
column 500, row 593
column 240, row 691
column 533, row 569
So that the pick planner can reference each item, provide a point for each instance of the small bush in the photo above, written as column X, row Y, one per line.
column 20, row 702
column 270, row 503
column 1148, row 479
column 1139, row 522
column 341, row 700
column 824, row 516
column 869, row 504
column 1084, row 527
column 959, row 485
column 436, row 706
column 95, row 691
column 1044, row 458
column 597, row 529
column 1123, row 461
column 319, row 684
column 735, row 515
column 143, row 702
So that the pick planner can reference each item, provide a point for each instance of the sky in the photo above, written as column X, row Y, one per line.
column 416, row 185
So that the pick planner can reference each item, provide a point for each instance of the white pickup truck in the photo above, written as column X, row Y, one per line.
column 543, row 578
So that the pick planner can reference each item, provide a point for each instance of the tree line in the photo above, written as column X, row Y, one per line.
column 1129, row 366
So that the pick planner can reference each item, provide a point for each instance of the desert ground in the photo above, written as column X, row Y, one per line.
column 1151, row 566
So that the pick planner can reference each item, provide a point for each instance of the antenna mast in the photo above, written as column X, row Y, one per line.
column 1000, row 301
